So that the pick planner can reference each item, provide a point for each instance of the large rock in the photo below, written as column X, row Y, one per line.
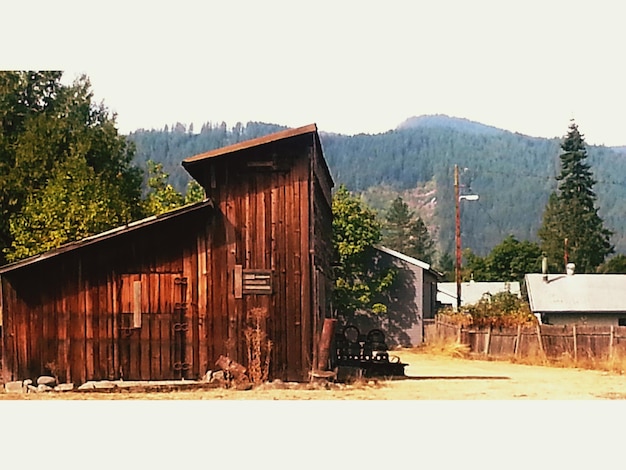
column 47, row 380
column 104, row 384
column 64, row 388
column 44, row 388
column 87, row 386
column 14, row 387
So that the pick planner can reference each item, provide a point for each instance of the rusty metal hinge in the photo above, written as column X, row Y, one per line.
column 180, row 281
column 181, row 326
column 182, row 365
column 180, row 306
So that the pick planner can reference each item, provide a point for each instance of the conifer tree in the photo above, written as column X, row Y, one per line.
column 572, row 230
column 407, row 233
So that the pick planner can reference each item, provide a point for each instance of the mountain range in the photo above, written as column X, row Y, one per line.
column 513, row 174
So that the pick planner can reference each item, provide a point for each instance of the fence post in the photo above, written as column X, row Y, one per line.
column 611, row 343
column 488, row 340
column 575, row 345
column 540, row 340
column 517, row 340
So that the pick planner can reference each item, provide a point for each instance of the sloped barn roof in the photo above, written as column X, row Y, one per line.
column 105, row 235
column 195, row 165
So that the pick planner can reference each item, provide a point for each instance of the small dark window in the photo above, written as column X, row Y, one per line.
column 621, row 321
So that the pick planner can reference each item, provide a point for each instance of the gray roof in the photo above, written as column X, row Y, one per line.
column 408, row 259
column 404, row 257
column 577, row 293
column 472, row 292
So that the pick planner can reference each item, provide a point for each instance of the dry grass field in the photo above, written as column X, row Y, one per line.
column 434, row 374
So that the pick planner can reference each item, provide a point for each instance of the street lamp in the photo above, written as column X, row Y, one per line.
column 457, row 199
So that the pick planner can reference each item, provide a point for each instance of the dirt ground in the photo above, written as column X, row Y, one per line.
column 429, row 377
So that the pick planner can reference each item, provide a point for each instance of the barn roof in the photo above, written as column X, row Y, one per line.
column 105, row 235
column 577, row 293
column 194, row 164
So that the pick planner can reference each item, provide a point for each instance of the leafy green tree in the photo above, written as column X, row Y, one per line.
column 571, row 218
column 359, row 280
column 74, row 204
column 48, row 130
column 162, row 196
column 512, row 259
column 405, row 232
column 474, row 267
column 194, row 193
column 508, row 261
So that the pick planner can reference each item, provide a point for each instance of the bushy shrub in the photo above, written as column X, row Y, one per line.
column 500, row 310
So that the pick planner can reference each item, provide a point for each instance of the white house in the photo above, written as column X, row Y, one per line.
column 578, row 299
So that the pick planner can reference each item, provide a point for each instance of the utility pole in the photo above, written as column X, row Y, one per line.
column 457, row 236
column 457, row 231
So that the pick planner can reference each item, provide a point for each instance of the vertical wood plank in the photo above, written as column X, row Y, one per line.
column 282, row 309
column 144, row 326
column 154, row 326
column 309, row 336
column 540, row 341
column 87, row 307
column 575, row 342
column 202, row 296
column 210, row 312
column 104, row 338
column 517, row 341
column 166, row 302
column 113, row 323
column 136, row 308
column 275, row 267
column 231, row 222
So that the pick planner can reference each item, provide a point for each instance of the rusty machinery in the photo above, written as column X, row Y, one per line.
column 367, row 353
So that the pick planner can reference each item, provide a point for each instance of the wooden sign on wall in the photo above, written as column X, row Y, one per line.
column 256, row 281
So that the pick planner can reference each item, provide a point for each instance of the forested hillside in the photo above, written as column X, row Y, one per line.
column 513, row 174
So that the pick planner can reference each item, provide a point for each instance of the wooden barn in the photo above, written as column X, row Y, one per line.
column 164, row 297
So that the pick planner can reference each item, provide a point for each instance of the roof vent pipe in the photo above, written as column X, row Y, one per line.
column 544, row 268
column 569, row 269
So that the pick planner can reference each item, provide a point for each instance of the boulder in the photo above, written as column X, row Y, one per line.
column 44, row 388
column 87, row 386
column 47, row 380
column 14, row 387
column 28, row 382
column 64, row 388
column 104, row 384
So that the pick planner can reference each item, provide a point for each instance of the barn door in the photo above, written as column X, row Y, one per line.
column 152, row 326
column 180, row 330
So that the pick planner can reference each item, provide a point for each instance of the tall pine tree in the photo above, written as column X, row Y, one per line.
column 407, row 233
column 571, row 229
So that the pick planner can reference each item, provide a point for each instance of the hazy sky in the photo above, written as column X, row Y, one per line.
column 349, row 66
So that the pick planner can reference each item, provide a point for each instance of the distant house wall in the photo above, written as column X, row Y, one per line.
column 411, row 299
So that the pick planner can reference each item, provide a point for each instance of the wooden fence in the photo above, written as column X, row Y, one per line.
column 550, row 341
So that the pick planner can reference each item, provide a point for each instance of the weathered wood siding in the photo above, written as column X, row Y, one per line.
column 266, row 221
column 162, row 301
column 72, row 315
